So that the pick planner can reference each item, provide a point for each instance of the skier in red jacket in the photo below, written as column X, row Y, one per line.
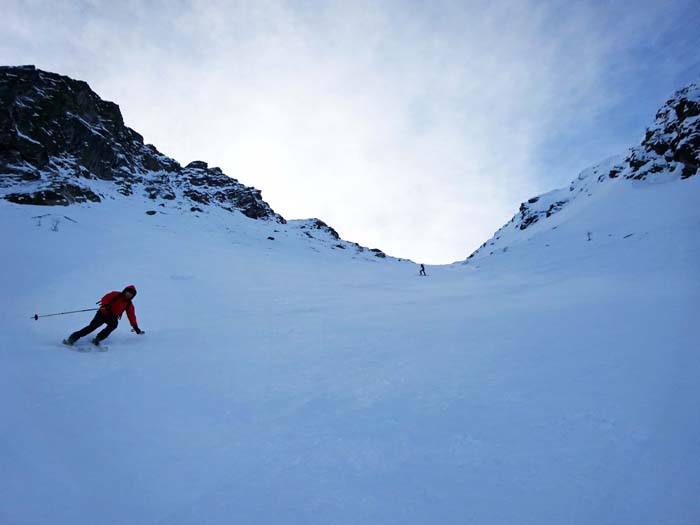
column 112, row 306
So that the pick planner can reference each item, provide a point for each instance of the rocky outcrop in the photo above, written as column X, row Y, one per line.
column 673, row 142
column 58, row 138
column 318, row 230
column 318, row 224
column 670, row 151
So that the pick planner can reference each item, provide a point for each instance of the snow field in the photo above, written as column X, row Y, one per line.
column 279, row 382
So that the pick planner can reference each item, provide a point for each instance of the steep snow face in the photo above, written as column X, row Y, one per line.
column 669, row 153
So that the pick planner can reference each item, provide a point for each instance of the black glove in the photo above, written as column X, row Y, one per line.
column 138, row 330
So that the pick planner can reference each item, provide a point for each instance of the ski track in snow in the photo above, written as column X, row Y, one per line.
column 556, row 382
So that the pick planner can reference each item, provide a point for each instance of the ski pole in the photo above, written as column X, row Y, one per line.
column 36, row 316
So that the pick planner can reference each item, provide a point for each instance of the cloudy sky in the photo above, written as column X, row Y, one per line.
column 416, row 127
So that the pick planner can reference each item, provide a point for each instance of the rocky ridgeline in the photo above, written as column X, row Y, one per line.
column 61, row 144
column 57, row 135
column 673, row 143
column 670, row 150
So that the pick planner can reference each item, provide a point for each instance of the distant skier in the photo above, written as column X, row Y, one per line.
column 422, row 270
column 112, row 306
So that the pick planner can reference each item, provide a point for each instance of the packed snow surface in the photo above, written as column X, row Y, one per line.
column 553, row 382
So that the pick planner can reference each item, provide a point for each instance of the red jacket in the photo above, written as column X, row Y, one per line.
column 115, row 303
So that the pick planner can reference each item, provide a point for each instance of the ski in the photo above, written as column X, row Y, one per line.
column 84, row 348
column 98, row 346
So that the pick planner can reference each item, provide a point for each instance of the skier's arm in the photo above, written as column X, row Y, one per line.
column 131, row 314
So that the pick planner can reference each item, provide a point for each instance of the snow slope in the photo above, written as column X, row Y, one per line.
column 553, row 382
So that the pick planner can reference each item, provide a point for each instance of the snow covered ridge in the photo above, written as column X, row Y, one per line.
column 60, row 144
column 669, row 153
column 57, row 135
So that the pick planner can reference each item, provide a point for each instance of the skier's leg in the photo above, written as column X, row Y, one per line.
column 112, row 323
column 96, row 322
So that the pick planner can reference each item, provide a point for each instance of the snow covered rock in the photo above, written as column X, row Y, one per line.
column 669, row 153
column 673, row 143
column 57, row 137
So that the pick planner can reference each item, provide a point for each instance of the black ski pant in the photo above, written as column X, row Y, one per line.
column 97, row 321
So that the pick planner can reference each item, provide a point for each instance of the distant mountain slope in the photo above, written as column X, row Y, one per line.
column 60, row 144
column 669, row 153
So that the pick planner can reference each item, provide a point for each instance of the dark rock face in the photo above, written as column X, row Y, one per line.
column 62, row 194
column 57, row 136
column 529, row 214
column 673, row 142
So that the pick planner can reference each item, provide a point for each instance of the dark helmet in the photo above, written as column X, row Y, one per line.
column 131, row 288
